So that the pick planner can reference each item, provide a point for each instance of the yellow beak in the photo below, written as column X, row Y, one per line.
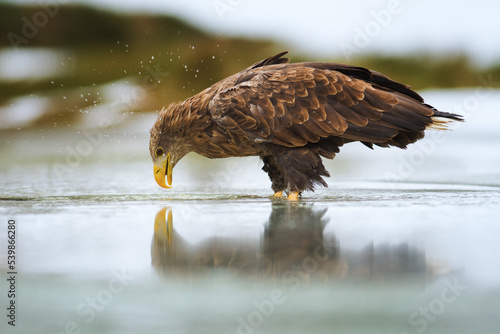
column 161, row 171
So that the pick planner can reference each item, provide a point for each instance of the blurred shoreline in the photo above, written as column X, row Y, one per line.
column 55, row 67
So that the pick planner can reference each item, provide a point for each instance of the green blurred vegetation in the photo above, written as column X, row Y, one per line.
column 104, row 46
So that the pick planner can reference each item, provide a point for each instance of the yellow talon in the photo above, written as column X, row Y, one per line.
column 278, row 194
column 293, row 196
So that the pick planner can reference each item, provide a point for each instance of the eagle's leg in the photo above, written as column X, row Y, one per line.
column 275, row 174
column 294, row 170
column 300, row 169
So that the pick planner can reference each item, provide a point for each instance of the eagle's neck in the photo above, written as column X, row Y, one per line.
column 180, row 118
column 185, row 122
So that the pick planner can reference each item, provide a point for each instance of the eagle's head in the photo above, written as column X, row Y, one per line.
column 167, row 144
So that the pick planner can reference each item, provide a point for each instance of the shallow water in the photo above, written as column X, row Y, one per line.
column 400, row 242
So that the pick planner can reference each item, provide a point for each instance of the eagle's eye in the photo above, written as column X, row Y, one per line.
column 159, row 152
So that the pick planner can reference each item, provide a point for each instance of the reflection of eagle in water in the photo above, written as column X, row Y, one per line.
column 292, row 248
column 290, row 115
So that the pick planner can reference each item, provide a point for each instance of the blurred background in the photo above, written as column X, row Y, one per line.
column 402, row 241
column 61, row 60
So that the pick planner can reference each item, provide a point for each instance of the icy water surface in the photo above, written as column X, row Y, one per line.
column 400, row 242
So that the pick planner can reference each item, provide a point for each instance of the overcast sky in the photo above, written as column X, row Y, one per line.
column 341, row 28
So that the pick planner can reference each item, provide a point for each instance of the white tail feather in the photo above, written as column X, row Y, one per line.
column 439, row 123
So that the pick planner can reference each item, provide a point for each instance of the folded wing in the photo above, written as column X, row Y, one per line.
column 321, row 105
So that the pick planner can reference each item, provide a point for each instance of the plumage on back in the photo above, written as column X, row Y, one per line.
column 291, row 113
